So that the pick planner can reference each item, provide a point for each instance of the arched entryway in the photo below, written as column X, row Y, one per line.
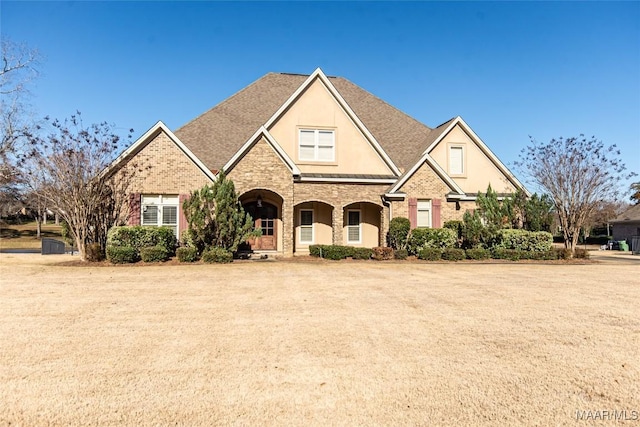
column 265, row 207
column 361, row 224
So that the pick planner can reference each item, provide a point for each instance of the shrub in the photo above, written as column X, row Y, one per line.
column 581, row 253
column 122, row 254
column 362, row 253
column 398, row 231
column 139, row 237
column 93, row 252
column 510, row 254
column 217, row 255
column 562, row 253
column 156, row 253
column 400, row 254
column 430, row 254
column 187, row 254
column 457, row 226
column 478, row 253
column 523, row 240
column 382, row 253
column 453, row 254
column 420, row 238
column 316, row 250
column 336, row 252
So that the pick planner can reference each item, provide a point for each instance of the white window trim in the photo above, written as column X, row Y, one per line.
column 430, row 210
column 160, row 202
column 313, row 231
column 359, row 226
column 317, row 144
column 463, row 153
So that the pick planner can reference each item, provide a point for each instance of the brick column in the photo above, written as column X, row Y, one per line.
column 384, row 225
column 338, row 215
column 287, row 225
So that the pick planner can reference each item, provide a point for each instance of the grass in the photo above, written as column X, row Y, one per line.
column 23, row 236
column 316, row 343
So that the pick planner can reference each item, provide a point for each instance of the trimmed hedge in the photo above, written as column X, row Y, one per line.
column 420, row 238
column 510, row 254
column 381, row 253
column 478, row 253
column 187, row 254
column 156, row 253
column 430, row 254
column 139, row 237
column 122, row 254
column 337, row 252
column 362, row 253
column 217, row 255
column 453, row 254
column 523, row 240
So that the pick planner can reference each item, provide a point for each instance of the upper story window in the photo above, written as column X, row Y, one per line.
column 456, row 160
column 317, row 145
column 160, row 210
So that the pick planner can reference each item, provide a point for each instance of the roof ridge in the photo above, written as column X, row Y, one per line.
column 381, row 100
column 226, row 99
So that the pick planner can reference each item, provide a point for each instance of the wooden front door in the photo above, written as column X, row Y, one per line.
column 265, row 218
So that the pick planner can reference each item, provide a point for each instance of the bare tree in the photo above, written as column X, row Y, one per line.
column 18, row 69
column 578, row 174
column 68, row 169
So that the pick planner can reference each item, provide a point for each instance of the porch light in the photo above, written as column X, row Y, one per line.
column 259, row 201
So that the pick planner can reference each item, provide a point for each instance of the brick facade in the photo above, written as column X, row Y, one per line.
column 170, row 171
column 166, row 169
column 261, row 168
column 426, row 184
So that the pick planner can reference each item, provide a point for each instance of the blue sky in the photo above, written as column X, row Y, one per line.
column 510, row 69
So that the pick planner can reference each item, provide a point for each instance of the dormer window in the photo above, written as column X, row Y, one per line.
column 316, row 145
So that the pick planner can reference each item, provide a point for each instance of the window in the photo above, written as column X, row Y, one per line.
column 456, row 160
column 306, row 226
column 160, row 210
column 424, row 213
column 353, row 226
column 316, row 145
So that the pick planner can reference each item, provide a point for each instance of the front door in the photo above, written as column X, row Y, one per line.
column 264, row 216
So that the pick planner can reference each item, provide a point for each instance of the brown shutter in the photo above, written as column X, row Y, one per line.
column 134, row 209
column 436, row 205
column 182, row 219
column 413, row 212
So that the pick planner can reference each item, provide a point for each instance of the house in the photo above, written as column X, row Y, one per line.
column 626, row 226
column 315, row 160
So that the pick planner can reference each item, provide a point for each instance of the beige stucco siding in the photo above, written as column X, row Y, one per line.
column 479, row 170
column 165, row 169
column 317, row 109
column 322, row 229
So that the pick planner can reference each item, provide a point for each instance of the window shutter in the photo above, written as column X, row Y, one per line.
column 436, row 205
column 182, row 219
column 413, row 212
column 134, row 209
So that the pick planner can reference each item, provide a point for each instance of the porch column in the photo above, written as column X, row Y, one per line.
column 384, row 225
column 338, row 215
column 287, row 228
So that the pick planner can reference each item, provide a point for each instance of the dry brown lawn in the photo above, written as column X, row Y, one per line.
column 317, row 343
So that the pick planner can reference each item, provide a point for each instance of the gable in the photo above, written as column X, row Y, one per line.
column 159, row 159
column 478, row 168
column 261, row 167
column 317, row 108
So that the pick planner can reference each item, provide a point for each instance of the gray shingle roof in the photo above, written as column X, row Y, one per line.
column 632, row 215
column 215, row 136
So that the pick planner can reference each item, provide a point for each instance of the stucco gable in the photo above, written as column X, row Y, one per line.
column 318, row 104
